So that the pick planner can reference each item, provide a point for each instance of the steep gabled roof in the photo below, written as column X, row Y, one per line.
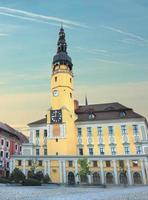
column 10, row 130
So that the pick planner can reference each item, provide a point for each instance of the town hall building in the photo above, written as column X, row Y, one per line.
column 113, row 137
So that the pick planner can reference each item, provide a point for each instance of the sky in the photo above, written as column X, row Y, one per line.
column 107, row 41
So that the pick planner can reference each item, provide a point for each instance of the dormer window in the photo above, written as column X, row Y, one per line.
column 91, row 116
column 122, row 114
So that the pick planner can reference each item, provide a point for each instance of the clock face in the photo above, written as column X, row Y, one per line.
column 56, row 116
column 55, row 93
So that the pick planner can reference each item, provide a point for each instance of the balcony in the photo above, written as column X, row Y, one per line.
column 79, row 140
column 137, row 138
column 112, row 140
column 89, row 140
column 101, row 140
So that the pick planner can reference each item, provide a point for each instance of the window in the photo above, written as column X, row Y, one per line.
column 2, row 142
column 56, row 139
column 101, row 151
column 108, row 163
column 29, row 162
column 91, row 151
column 37, row 152
column 79, row 132
column 138, row 149
column 7, row 144
column 7, row 155
column 70, row 95
column 70, row 163
column 81, row 151
column 110, row 130
column 45, row 133
column 135, row 163
column 100, row 131
column 45, row 152
column 95, row 163
column 40, row 163
column 16, row 147
column 126, row 149
column 123, row 129
column 20, row 148
column 121, row 163
column 19, row 162
column 55, row 78
column 57, row 153
column 135, row 129
column 7, row 164
column 37, row 133
column 113, row 150
column 89, row 131
column 1, row 153
column 70, row 80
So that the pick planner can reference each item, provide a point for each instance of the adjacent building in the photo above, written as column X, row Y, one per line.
column 113, row 137
column 10, row 144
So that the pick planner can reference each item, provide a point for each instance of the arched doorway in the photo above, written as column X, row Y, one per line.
column 96, row 178
column 137, row 178
column 109, row 178
column 71, row 178
column 123, row 178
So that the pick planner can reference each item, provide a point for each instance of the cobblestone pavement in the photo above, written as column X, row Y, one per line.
column 72, row 193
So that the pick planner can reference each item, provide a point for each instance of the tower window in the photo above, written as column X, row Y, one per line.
column 80, row 151
column 55, row 79
column 70, row 80
column 70, row 95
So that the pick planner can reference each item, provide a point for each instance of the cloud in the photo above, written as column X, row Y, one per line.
column 112, row 62
column 3, row 34
column 21, row 14
column 131, row 35
column 91, row 51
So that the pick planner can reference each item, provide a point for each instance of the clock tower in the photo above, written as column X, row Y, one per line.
column 61, row 116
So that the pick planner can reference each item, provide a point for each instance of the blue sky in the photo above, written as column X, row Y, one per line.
column 107, row 40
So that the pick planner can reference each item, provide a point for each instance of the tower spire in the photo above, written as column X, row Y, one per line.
column 62, row 45
column 86, row 101
column 62, row 56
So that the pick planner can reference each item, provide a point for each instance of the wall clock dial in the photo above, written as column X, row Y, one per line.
column 56, row 116
column 55, row 93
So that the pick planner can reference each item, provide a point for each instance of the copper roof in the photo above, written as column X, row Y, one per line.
column 9, row 129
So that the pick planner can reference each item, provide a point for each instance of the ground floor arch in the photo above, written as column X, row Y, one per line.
column 71, row 178
column 109, row 178
column 123, row 178
column 137, row 178
column 96, row 178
